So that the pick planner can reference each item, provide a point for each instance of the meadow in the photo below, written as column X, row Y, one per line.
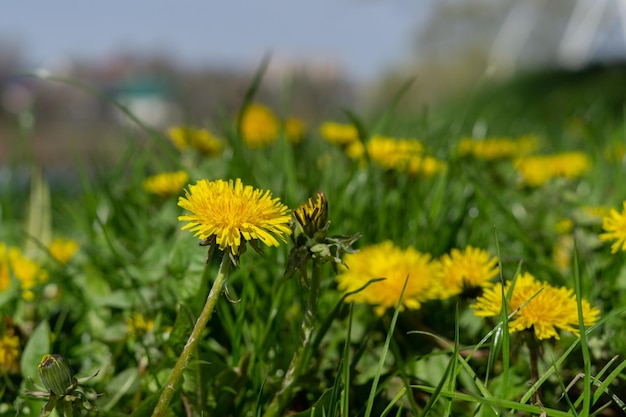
column 465, row 260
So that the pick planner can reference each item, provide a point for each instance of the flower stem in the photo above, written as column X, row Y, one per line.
column 301, row 356
column 533, row 348
column 183, row 360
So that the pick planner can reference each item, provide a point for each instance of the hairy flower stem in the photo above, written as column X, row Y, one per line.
column 183, row 360
column 300, row 359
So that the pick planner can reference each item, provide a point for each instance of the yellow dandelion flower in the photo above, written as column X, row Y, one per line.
column 295, row 129
column 187, row 137
column 426, row 166
column 562, row 252
column 466, row 270
column 63, row 249
column 564, row 226
column 28, row 272
column 259, row 126
column 339, row 134
column 551, row 308
column 614, row 224
column 498, row 148
column 393, row 153
column 228, row 213
column 166, row 183
column 387, row 261
column 9, row 353
column 538, row 169
column 138, row 325
column 355, row 150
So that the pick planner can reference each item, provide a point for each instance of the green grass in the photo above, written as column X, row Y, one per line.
column 438, row 360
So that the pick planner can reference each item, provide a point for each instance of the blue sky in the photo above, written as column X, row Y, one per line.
column 363, row 36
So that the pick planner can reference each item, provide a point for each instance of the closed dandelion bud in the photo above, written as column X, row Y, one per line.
column 56, row 374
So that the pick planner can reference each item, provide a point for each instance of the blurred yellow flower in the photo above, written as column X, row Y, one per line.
column 9, row 353
column 295, row 129
column 551, row 308
column 227, row 213
column 562, row 252
column 259, row 126
column 498, row 148
column 138, row 325
column 166, row 183
column 384, row 260
column 466, row 270
column 63, row 249
column 187, row 137
column 426, row 166
column 614, row 225
column 393, row 153
column 340, row 134
column 28, row 272
column 536, row 170
column 564, row 226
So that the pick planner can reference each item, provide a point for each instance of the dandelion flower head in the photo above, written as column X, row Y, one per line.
column 536, row 170
column 551, row 308
column 233, row 214
column 28, row 272
column 614, row 225
column 495, row 148
column 187, row 137
column 9, row 353
column 464, row 270
column 387, row 261
column 295, row 129
column 138, row 325
column 166, row 183
column 393, row 153
column 63, row 249
column 259, row 126
column 339, row 134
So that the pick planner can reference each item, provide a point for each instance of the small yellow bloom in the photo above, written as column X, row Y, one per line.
column 29, row 273
column 295, row 129
column 538, row 169
column 230, row 214
column 340, row 134
column 564, row 226
column 551, row 308
column 187, row 137
column 9, row 353
column 166, row 183
column 466, row 270
column 396, row 265
column 259, row 126
column 498, row 148
column 63, row 249
column 138, row 325
column 614, row 224
column 426, row 166
column 392, row 153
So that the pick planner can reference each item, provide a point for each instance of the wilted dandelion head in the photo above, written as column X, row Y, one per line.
column 536, row 170
column 387, row 261
column 614, row 225
column 542, row 308
column 259, row 126
column 166, row 183
column 9, row 353
column 311, row 217
column 466, row 270
column 63, row 249
column 231, row 214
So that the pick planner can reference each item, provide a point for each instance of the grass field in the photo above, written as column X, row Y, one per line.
column 461, row 261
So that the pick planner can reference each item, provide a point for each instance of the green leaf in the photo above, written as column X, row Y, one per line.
column 37, row 346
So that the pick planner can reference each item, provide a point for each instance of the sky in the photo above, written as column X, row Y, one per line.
column 364, row 37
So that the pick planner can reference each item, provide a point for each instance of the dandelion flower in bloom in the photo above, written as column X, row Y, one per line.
column 63, row 249
column 295, row 129
column 339, row 134
column 392, row 153
column 495, row 148
column 551, row 308
column 614, row 224
column 187, row 137
column 259, row 126
column 28, row 272
column 230, row 214
column 138, row 325
column 166, row 183
column 536, row 170
column 466, row 270
column 387, row 261
column 9, row 353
